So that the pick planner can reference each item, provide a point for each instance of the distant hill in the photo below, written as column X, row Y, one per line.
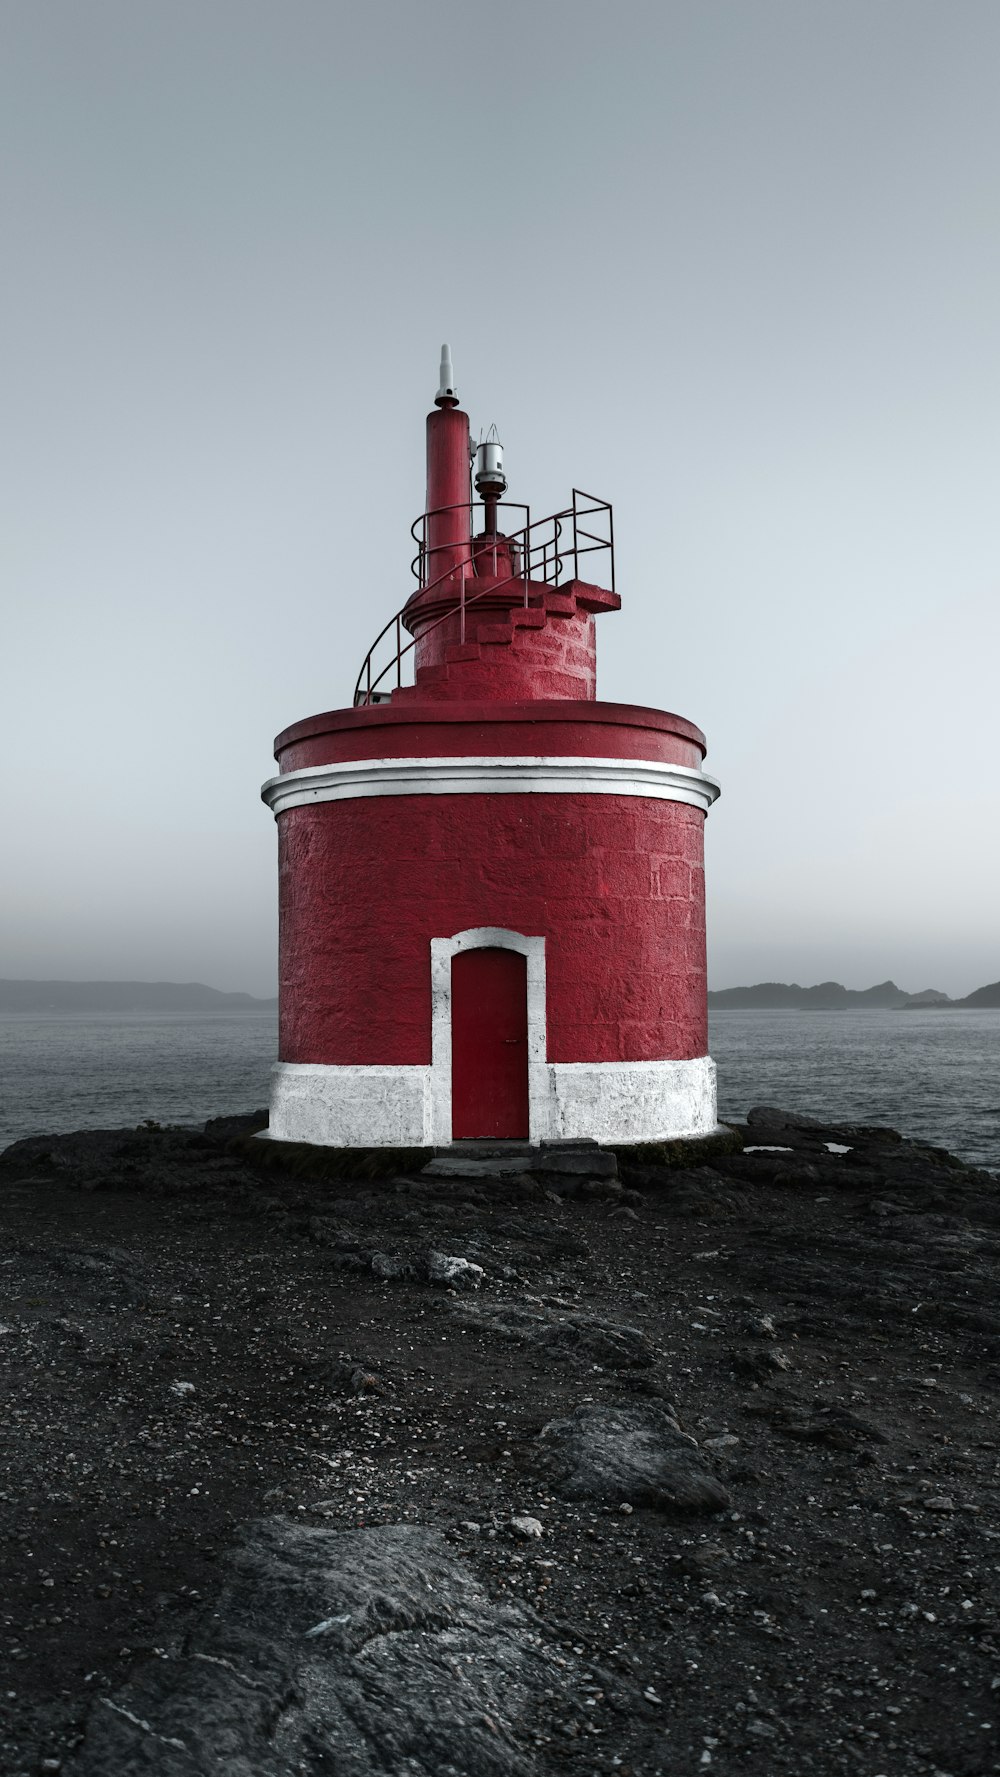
column 826, row 996
column 124, row 996
column 830, row 996
column 983, row 996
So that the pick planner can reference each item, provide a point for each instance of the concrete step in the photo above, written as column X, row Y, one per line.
column 576, row 1160
column 484, row 1159
column 481, row 1147
column 467, row 1167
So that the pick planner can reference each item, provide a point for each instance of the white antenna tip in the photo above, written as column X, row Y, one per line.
column 447, row 392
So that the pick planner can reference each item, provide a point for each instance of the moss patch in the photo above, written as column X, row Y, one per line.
column 697, row 1150
column 300, row 1159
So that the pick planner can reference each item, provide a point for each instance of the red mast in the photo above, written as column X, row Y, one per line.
column 448, row 509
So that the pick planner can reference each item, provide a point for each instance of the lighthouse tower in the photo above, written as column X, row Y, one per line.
column 491, row 885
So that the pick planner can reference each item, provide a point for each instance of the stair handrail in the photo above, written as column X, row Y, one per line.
column 424, row 549
column 363, row 694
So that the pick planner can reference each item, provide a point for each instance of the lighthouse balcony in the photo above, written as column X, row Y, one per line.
column 485, row 589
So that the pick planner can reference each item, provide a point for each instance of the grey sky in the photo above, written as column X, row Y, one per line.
column 732, row 264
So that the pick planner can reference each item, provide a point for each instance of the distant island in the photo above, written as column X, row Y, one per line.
column 124, row 996
column 830, row 996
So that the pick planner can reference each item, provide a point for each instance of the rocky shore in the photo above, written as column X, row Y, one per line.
column 647, row 1462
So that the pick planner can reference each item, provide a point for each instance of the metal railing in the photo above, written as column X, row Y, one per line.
column 419, row 566
column 562, row 538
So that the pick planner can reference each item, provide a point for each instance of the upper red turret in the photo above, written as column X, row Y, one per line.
column 500, row 617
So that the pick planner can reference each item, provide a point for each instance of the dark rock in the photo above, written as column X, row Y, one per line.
column 563, row 1336
column 326, row 1231
column 391, row 1267
column 581, row 1162
column 225, row 1129
column 363, row 1382
column 702, row 1193
column 833, row 1425
column 762, row 1326
column 351, row 1261
column 765, row 1116
column 452, row 1272
column 525, row 1528
column 761, row 1364
column 636, row 1454
column 445, row 1269
column 704, row 1560
column 572, row 1184
column 768, row 1168
column 370, row 1652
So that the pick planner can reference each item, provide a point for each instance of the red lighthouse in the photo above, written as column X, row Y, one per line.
column 491, row 884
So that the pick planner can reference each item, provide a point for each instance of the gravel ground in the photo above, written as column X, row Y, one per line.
column 701, row 1464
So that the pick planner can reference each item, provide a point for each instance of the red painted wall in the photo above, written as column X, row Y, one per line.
column 562, row 728
column 518, row 640
column 615, row 885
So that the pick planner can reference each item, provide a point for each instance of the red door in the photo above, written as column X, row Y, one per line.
column 489, row 1045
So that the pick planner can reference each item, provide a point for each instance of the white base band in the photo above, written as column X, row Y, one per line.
column 398, row 1107
column 350, row 1107
column 625, row 1101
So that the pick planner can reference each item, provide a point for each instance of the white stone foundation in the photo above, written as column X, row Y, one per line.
column 624, row 1101
column 350, row 1107
column 612, row 1102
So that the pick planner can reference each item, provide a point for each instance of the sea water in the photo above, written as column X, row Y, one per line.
column 934, row 1075
column 109, row 1070
column 931, row 1074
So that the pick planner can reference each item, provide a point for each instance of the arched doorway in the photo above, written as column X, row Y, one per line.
column 489, row 1045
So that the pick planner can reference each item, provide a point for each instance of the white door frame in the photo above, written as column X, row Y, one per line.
column 442, row 951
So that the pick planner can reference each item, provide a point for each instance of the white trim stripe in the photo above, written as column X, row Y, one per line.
column 484, row 776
